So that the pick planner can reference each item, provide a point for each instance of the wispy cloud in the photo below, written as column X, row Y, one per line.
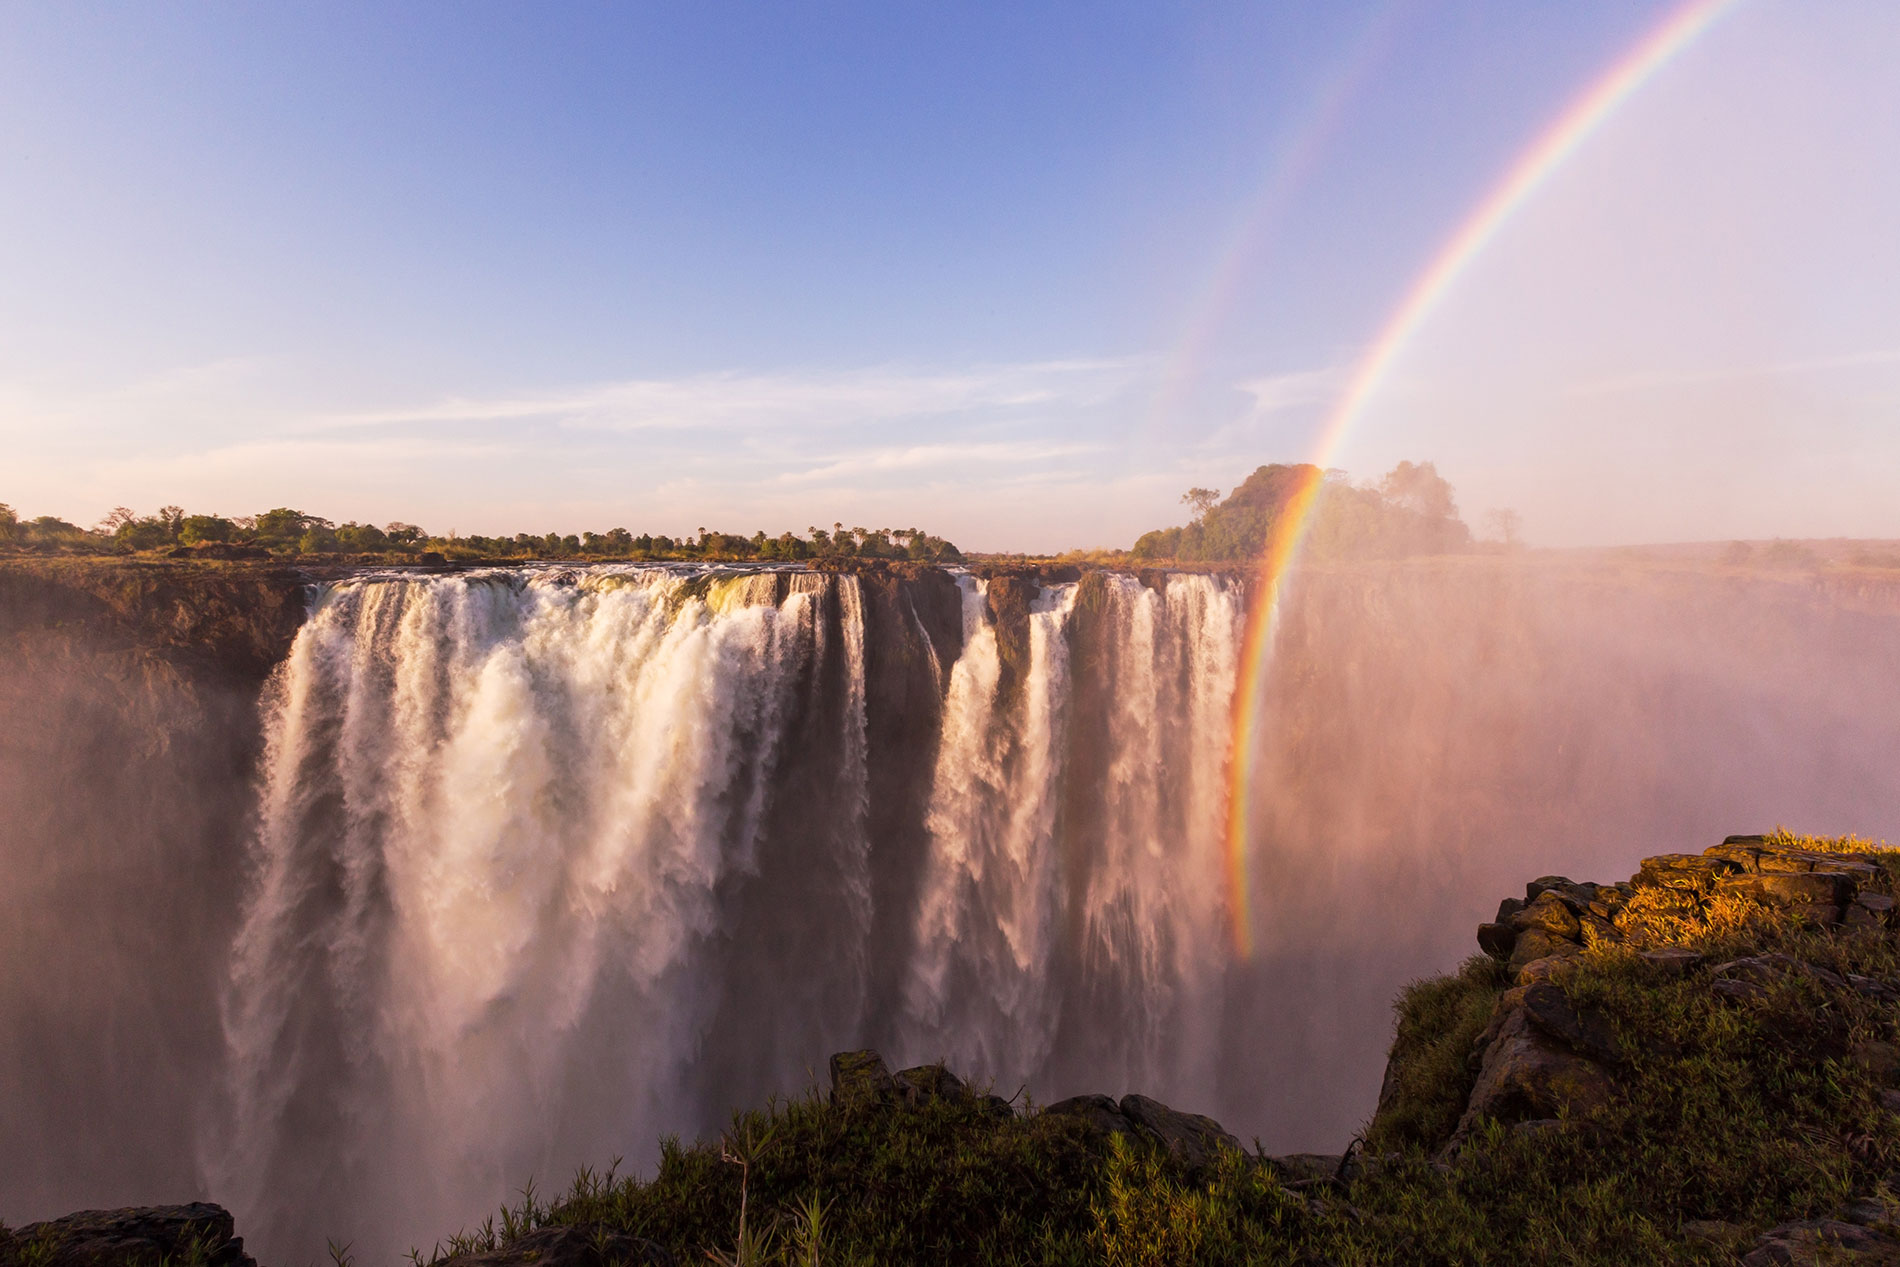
column 934, row 458
column 774, row 402
column 1280, row 392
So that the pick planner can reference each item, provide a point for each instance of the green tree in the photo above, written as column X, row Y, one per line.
column 1202, row 500
column 9, row 522
column 1419, row 488
column 199, row 529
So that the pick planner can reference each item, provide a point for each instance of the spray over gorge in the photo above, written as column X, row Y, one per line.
column 547, row 861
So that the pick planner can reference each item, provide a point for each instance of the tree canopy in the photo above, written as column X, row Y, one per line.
column 1410, row 511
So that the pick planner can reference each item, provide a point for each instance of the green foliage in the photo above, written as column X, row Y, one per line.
column 285, row 530
column 1439, row 1020
column 1411, row 511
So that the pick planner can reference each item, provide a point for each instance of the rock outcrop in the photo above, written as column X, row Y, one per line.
column 145, row 1236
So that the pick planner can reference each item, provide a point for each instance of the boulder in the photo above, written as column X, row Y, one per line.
column 1526, row 1071
column 1815, row 1242
column 1881, row 1060
column 1793, row 888
column 1306, row 1167
column 929, row 1082
column 859, row 1078
column 1497, row 940
column 1549, row 968
column 1674, row 960
column 1767, row 970
column 1583, row 1030
column 1193, row 1139
column 141, row 1236
column 1578, row 895
column 1548, row 913
column 1683, row 870
column 1534, row 944
column 1099, row 1111
column 570, row 1245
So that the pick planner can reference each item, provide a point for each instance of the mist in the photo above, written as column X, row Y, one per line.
column 345, row 952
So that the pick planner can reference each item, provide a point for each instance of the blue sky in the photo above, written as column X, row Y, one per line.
column 1013, row 273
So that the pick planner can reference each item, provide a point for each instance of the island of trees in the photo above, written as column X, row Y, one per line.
column 1410, row 511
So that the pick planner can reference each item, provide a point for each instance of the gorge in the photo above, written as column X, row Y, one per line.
column 354, row 901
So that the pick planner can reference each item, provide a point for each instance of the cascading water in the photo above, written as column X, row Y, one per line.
column 550, row 862
column 544, row 863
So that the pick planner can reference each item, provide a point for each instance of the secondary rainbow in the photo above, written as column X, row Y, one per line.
column 1545, row 155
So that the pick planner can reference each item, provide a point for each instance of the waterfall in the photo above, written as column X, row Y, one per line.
column 1069, row 922
column 551, row 861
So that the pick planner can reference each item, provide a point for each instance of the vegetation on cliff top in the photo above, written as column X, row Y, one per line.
column 287, row 532
column 1736, row 1107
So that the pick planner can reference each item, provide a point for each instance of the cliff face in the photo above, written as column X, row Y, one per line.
column 128, row 779
column 129, row 693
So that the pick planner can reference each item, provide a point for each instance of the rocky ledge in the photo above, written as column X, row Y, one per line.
column 146, row 1236
column 1544, row 1060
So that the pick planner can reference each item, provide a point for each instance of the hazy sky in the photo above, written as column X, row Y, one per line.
column 1015, row 273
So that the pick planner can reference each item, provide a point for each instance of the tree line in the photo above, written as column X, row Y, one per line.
column 284, row 531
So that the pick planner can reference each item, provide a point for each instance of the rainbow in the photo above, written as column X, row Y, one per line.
column 1532, row 168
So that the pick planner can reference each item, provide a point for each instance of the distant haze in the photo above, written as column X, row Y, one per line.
column 1017, row 278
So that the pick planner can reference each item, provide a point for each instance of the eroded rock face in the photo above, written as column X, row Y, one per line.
column 1541, row 1059
column 141, row 1236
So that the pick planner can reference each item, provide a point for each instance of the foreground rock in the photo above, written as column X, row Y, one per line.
column 142, row 1236
column 1823, row 1243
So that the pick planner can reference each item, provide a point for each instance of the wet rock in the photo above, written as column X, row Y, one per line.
column 141, row 1236
column 1099, row 1111
column 1194, row 1139
column 1821, row 1241
column 860, row 1077
column 571, row 1245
